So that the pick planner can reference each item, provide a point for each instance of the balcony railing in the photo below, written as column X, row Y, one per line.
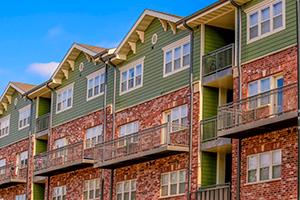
column 12, row 175
column 215, row 192
column 42, row 123
column 209, row 129
column 143, row 145
column 259, row 110
column 218, row 60
column 64, row 159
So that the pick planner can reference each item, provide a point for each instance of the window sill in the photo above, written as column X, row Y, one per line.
column 175, row 72
column 94, row 97
column 61, row 111
column 250, row 41
column 131, row 89
column 171, row 196
column 261, row 182
column 21, row 128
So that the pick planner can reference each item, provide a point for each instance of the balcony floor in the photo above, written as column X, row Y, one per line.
column 217, row 145
column 219, row 79
column 84, row 163
column 261, row 126
column 12, row 182
column 144, row 156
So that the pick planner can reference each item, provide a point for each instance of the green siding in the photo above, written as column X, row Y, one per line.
column 14, row 133
column 40, row 146
column 80, row 106
column 210, row 102
column 153, row 82
column 44, row 106
column 273, row 42
column 38, row 191
column 216, row 38
column 208, row 168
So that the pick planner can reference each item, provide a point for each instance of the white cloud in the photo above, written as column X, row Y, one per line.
column 43, row 69
column 54, row 32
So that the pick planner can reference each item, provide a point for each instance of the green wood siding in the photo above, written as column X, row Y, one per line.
column 210, row 102
column 80, row 106
column 208, row 168
column 216, row 38
column 44, row 106
column 40, row 146
column 273, row 42
column 38, row 191
column 14, row 133
column 154, row 84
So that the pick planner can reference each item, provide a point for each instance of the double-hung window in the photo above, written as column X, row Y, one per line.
column 173, row 183
column 91, row 189
column 59, row 193
column 126, row 190
column 21, row 197
column 266, row 19
column 23, row 159
column 2, row 166
column 259, row 87
column 64, row 98
column 4, row 126
column 95, row 84
column 131, row 76
column 177, row 117
column 59, row 144
column 24, row 117
column 264, row 166
column 128, row 129
column 177, row 56
column 94, row 136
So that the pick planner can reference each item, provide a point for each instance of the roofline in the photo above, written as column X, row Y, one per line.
column 37, row 87
column 11, row 84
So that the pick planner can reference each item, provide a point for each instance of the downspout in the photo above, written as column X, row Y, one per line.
column 191, row 32
column 298, row 84
column 108, row 62
column 238, row 64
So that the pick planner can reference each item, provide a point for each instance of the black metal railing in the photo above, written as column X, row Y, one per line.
column 218, row 60
column 269, row 104
column 42, row 123
column 148, row 139
column 214, row 192
column 209, row 129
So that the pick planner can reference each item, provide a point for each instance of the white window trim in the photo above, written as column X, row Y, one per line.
column 20, row 197
column 170, row 47
column 63, row 189
column 8, row 119
column 90, row 76
column 88, row 189
column 28, row 107
column 98, row 134
column 130, row 190
column 125, row 68
column 22, row 156
column 258, row 9
column 169, row 183
column 258, row 168
column 60, row 91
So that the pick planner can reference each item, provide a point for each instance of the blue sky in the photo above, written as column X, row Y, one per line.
column 35, row 35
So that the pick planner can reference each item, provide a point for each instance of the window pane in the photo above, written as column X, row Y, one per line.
column 164, row 179
column 265, row 160
column 182, row 176
column 139, row 69
column 276, row 158
column 253, row 32
column 265, row 27
column 164, row 190
column 252, row 162
column 173, row 189
column 276, row 171
column 277, row 9
column 265, row 85
column 264, row 173
column 181, row 188
column 252, row 176
column 124, row 76
column 277, row 22
column 253, row 19
column 253, row 89
column 177, row 58
column 174, row 177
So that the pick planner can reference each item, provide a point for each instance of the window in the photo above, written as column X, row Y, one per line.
column 131, row 76
column 2, row 166
column 59, row 193
column 24, row 117
column 258, row 87
column 4, row 126
column 177, row 117
column 60, row 143
column 126, row 190
column 23, row 159
column 177, row 56
column 94, row 136
column 266, row 19
column 128, row 129
column 91, row 189
column 95, row 84
column 21, row 197
column 64, row 98
column 264, row 166
column 173, row 183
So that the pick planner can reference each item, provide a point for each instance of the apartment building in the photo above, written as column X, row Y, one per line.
column 201, row 107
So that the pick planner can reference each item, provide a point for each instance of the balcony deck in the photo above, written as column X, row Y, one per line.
column 265, row 112
column 149, row 144
column 69, row 158
column 11, row 176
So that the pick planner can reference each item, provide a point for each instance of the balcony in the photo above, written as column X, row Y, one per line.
column 148, row 144
column 215, row 192
column 11, row 176
column 217, row 67
column 209, row 139
column 42, row 125
column 69, row 158
column 267, row 111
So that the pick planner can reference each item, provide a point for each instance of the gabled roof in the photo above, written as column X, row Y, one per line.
column 11, row 88
column 68, row 61
column 137, row 32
